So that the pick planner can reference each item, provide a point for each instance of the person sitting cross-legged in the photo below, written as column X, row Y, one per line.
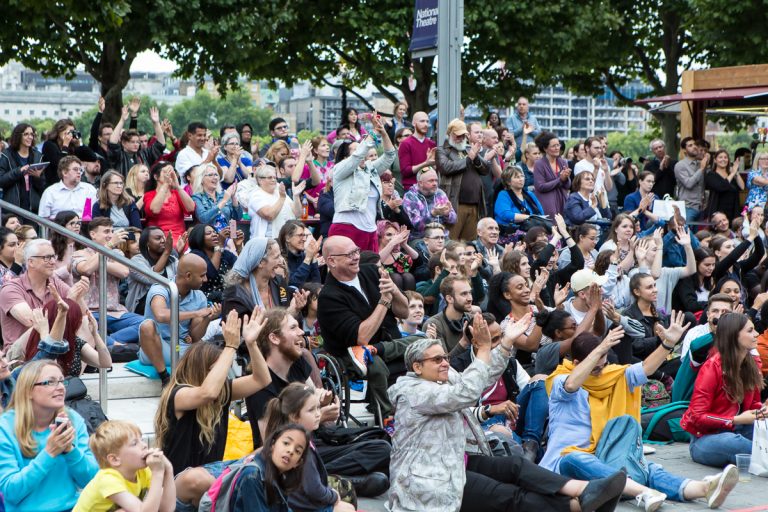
column 194, row 316
column 587, row 397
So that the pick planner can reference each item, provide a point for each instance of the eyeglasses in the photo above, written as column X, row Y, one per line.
column 436, row 359
column 351, row 254
column 118, row 183
column 74, row 223
column 301, row 235
column 46, row 257
column 281, row 127
column 211, row 175
column 52, row 383
column 270, row 178
column 437, row 237
column 232, row 144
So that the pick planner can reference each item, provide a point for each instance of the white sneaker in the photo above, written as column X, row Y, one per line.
column 650, row 500
column 648, row 450
column 720, row 485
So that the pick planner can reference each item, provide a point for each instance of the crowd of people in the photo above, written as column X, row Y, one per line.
column 510, row 302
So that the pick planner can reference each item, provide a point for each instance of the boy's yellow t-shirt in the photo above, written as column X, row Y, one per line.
column 107, row 482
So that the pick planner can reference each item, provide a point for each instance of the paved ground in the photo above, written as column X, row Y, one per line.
column 747, row 497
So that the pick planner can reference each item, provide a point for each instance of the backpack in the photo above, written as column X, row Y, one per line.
column 342, row 436
column 663, row 423
column 218, row 496
column 654, row 394
column 621, row 446
column 77, row 399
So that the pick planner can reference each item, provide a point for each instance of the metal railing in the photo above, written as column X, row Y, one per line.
column 105, row 254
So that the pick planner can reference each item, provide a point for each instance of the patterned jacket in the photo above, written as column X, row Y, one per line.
column 419, row 210
column 435, row 427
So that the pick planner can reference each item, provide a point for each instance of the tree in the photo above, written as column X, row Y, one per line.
column 236, row 108
column 105, row 38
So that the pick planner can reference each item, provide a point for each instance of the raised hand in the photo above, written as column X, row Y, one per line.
column 561, row 293
column 281, row 190
column 312, row 247
column 298, row 188
column 134, row 106
column 154, row 115
column 299, row 300
column 253, row 325
column 231, row 330
column 682, row 235
column 306, row 149
column 481, row 335
column 124, row 114
column 431, row 332
column 612, row 339
column 386, row 285
column 102, row 104
column 493, row 257
column 181, row 243
column 676, row 328
column 40, row 322
column 514, row 330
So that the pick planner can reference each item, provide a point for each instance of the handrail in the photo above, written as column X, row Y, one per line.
column 105, row 254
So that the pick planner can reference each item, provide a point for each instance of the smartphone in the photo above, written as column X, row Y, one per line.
column 61, row 419
column 232, row 229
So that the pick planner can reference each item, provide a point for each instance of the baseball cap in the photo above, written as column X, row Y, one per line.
column 584, row 278
column 457, row 127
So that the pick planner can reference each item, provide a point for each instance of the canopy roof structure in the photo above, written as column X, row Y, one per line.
column 738, row 90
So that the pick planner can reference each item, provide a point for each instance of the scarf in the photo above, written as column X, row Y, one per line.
column 609, row 397
column 252, row 254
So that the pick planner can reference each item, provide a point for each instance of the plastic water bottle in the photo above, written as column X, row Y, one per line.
column 304, row 207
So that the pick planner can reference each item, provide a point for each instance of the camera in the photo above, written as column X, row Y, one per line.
column 625, row 162
column 76, row 134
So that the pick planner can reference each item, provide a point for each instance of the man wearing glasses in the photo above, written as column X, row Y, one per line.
column 358, row 309
column 68, row 194
column 278, row 128
column 18, row 297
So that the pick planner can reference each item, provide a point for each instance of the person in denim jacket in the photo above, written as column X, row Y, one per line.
column 357, row 188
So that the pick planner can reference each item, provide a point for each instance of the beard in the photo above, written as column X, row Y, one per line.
column 458, row 146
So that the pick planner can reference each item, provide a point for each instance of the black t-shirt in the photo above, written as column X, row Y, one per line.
column 341, row 309
column 182, row 445
column 257, row 403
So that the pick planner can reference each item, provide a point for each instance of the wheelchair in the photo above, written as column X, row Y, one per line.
column 336, row 379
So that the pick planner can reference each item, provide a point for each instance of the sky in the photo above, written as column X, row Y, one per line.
column 150, row 61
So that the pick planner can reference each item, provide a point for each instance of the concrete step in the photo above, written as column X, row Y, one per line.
column 122, row 384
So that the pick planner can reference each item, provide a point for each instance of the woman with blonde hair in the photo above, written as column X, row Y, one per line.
column 113, row 202
column 135, row 181
column 44, row 454
column 277, row 151
column 757, row 182
column 214, row 206
column 193, row 415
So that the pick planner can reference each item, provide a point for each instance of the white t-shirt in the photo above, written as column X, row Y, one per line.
column 355, row 283
column 584, row 165
column 361, row 220
column 187, row 159
column 261, row 227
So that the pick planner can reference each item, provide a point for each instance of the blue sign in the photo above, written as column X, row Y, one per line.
column 424, row 33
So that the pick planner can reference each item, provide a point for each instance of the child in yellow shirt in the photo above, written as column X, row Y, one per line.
column 132, row 477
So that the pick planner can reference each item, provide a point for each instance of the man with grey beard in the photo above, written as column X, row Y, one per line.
column 460, row 167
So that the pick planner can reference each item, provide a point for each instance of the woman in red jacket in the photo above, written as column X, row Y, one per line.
column 726, row 396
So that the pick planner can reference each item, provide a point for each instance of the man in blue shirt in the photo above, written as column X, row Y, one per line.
column 519, row 119
column 194, row 316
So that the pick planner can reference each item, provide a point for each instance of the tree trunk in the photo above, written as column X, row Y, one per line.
column 113, row 75
column 669, row 128
column 418, row 99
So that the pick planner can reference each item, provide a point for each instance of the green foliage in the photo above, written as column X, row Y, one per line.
column 43, row 126
column 732, row 141
column 5, row 129
column 632, row 144
column 236, row 108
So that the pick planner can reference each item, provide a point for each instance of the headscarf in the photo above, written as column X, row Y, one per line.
column 250, row 257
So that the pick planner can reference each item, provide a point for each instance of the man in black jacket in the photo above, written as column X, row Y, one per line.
column 358, row 309
column 663, row 168
column 125, row 146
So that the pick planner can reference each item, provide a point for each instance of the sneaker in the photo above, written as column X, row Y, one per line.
column 360, row 356
column 650, row 500
column 389, row 425
column 720, row 485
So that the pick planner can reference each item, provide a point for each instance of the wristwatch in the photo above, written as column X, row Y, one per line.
column 387, row 304
column 487, row 411
column 218, row 248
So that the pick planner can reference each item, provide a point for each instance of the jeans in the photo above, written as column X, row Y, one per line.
column 691, row 214
column 585, row 466
column 122, row 330
column 720, row 449
column 534, row 408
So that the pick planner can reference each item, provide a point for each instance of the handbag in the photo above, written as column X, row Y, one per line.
column 758, row 464
column 536, row 221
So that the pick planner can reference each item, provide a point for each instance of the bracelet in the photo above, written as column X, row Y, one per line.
column 387, row 304
column 670, row 349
